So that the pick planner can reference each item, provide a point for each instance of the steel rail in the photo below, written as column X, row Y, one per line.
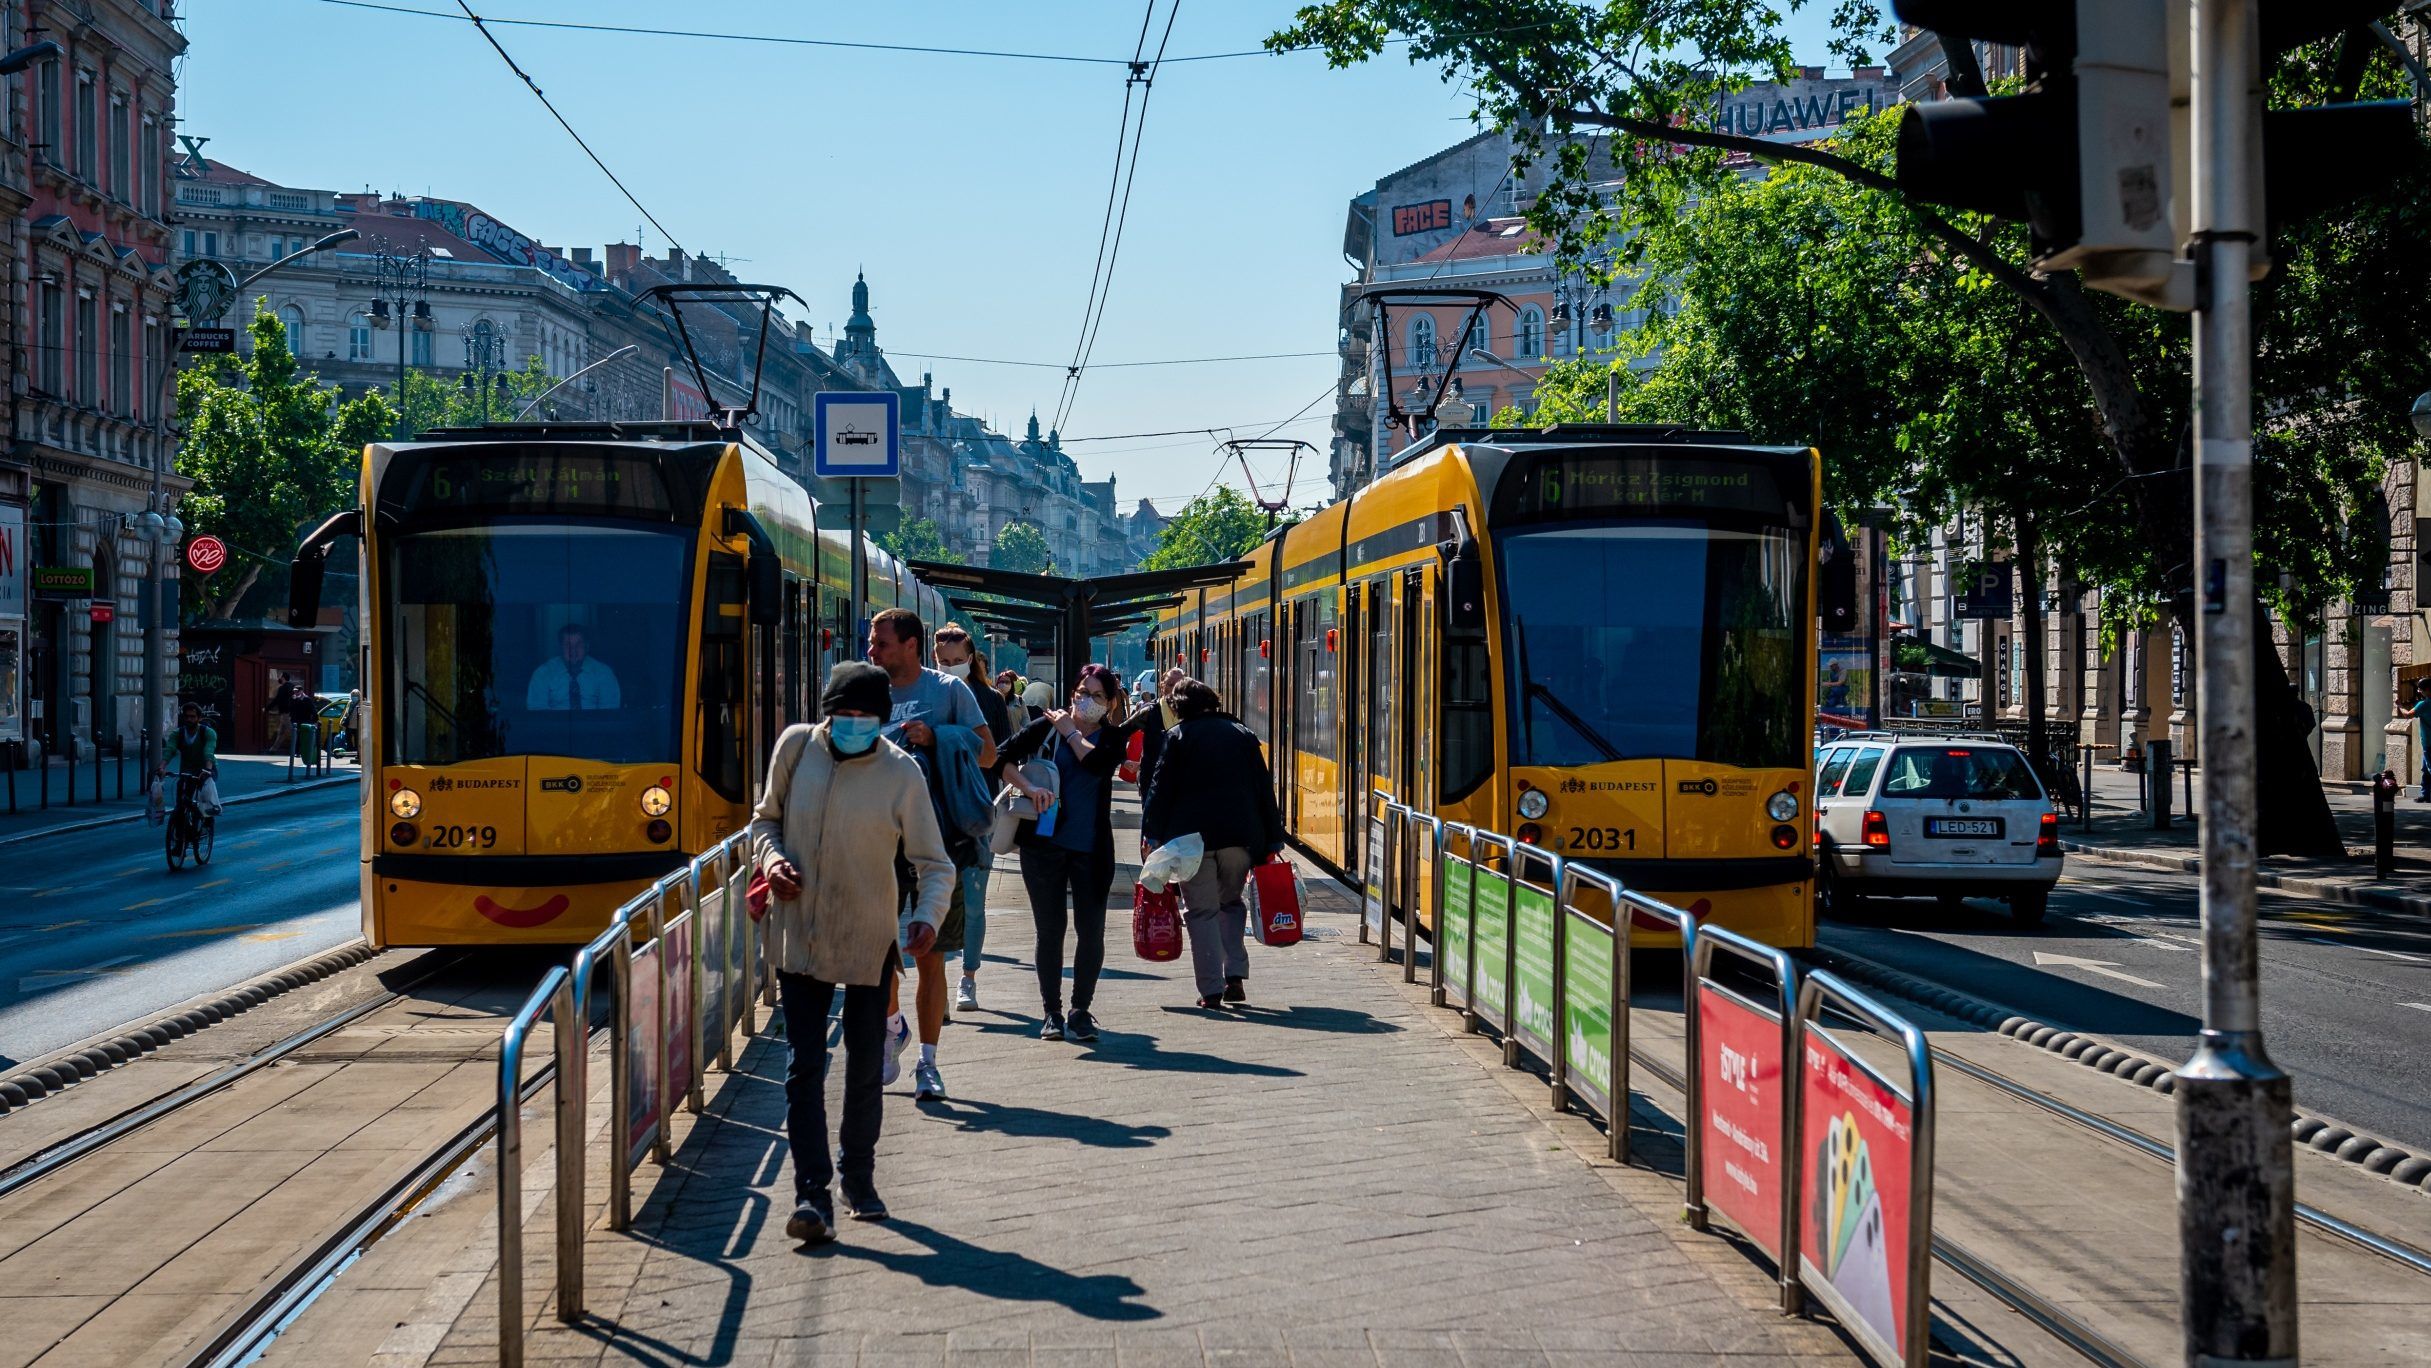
column 249, row 1332
column 58, row 1156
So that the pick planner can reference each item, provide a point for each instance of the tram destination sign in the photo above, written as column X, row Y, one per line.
column 534, row 480
column 1668, row 481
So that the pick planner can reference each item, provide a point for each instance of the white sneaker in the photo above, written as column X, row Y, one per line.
column 927, row 1083
column 898, row 1035
column 967, row 1000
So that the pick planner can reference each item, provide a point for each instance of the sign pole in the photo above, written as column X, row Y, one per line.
column 2236, row 1166
column 860, row 509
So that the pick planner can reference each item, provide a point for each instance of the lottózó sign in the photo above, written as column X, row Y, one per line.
column 63, row 581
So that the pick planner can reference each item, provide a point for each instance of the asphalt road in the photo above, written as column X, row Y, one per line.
column 95, row 932
column 2346, row 991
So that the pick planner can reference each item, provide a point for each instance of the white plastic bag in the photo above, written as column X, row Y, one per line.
column 1176, row 861
column 152, row 802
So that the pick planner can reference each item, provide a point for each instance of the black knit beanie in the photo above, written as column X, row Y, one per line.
column 858, row 686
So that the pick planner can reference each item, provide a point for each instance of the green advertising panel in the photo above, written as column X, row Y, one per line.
column 1587, row 1010
column 1533, row 1022
column 1492, row 947
column 1452, row 930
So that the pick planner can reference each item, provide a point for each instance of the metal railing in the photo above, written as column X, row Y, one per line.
column 683, row 982
column 1774, row 1103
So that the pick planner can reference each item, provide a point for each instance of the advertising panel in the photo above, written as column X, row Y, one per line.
column 12, row 623
column 1532, row 1020
column 642, row 1055
column 1491, row 945
column 1371, row 899
column 1587, row 1009
column 679, row 1008
column 1740, row 1074
column 1452, row 930
column 1856, row 1137
column 716, row 971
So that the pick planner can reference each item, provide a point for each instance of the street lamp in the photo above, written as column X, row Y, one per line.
column 401, row 298
column 485, row 362
column 589, row 386
column 2421, row 415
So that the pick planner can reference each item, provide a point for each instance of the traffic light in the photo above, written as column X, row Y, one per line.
column 2094, row 155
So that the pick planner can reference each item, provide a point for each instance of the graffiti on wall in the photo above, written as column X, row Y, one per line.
column 503, row 242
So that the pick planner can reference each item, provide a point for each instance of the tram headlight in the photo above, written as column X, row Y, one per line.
column 405, row 803
column 656, row 801
column 1781, row 806
column 1534, row 804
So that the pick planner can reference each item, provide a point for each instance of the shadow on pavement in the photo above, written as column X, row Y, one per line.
column 998, row 1119
column 1138, row 1050
column 949, row 1262
column 1331, row 1020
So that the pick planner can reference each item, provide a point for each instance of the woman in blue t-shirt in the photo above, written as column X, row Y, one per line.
column 1074, row 858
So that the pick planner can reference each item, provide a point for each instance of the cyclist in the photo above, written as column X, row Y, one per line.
column 194, row 747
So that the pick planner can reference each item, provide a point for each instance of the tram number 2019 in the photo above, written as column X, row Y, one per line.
column 463, row 837
column 1603, row 838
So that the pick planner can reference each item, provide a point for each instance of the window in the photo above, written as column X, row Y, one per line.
column 1861, row 774
column 1528, row 343
column 1835, row 765
column 148, row 198
column 88, row 351
column 87, row 132
column 422, row 345
column 1422, row 341
column 211, row 245
column 47, row 97
column 191, row 242
column 293, row 318
column 1481, row 335
column 1959, row 772
column 358, row 338
column 122, row 388
column 151, row 351
column 54, row 340
column 120, row 153
column 1480, row 414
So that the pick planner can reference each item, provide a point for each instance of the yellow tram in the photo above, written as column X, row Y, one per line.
column 1598, row 638
column 580, row 641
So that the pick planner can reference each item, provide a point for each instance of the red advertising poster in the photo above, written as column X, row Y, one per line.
column 1739, row 1144
column 642, row 1055
column 1855, row 1137
column 679, row 1011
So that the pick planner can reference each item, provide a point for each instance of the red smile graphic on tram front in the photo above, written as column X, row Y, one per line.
column 521, row 918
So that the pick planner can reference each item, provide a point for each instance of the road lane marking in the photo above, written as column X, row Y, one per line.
column 2106, row 968
column 2392, row 954
column 148, row 902
column 204, row 931
column 274, row 935
column 213, row 884
column 60, row 978
column 2417, row 1006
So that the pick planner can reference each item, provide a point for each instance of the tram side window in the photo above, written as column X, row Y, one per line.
column 1383, row 684
column 1468, row 717
column 1258, row 676
column 789, row 656
column 721, row 723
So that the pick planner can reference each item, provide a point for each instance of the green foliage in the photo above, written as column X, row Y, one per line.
column 920, row 539
column 269, row 449
column 433, row 402
column 1021, row 546
column 1219, row 525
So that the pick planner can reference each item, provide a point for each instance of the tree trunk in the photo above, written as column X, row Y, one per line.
column 2291, row 815
column 2030, row 574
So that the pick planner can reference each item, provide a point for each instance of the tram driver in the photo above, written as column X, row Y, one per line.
column 573, row 681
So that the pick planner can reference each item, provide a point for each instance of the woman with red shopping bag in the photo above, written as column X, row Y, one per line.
column 1212, row 780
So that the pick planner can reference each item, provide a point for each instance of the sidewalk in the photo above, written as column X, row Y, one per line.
column 2123, row 834
column 242, row 779
column 1329, row 1177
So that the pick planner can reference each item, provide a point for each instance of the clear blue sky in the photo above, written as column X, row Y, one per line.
column 970, row 189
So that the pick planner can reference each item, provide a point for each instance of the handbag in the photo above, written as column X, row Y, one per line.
column 1132, row 755
column 1274, row 900
column 1156, row 923
column 1013, row 807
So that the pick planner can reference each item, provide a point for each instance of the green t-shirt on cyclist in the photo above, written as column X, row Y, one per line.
column 197, row 750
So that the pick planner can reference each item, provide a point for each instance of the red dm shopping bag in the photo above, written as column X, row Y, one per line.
column 1129, row 771
column 1156, row 923
column 1274, row 899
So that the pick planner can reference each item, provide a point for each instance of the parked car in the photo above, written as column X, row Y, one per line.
column 1901, row 815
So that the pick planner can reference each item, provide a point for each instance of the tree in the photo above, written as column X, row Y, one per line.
column 920, row 539
column 269, row 449
column 1618, row 101
column 1022, row 547
column 431, row 402
column 1219, row 525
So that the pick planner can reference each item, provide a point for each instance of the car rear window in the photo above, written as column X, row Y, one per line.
column 1835, row 764
column 1986, row 772
column 1861, row 772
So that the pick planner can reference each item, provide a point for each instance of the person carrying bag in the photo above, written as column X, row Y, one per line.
column 1067, row 852
column 1211, row 781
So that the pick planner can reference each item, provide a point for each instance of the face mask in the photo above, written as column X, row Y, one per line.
column 853, row 735
column 1089, row 709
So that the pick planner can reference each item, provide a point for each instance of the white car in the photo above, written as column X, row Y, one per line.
column 1915, row 816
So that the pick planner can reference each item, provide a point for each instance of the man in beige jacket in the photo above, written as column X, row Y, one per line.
column 840, row 805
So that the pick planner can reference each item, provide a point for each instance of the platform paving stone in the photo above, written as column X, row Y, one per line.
column 1329, row 1176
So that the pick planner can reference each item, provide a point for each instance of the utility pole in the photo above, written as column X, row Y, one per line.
column 2236, row 1161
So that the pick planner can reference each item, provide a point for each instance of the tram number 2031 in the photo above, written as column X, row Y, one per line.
column 462, row 837
column 1603, row 838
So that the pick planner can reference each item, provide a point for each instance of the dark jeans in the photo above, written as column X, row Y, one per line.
column 805, row 1002
column 1051, row 873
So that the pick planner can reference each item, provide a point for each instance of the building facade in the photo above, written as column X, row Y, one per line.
column 86, row 149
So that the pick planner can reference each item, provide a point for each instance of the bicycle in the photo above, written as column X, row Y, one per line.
column 2061, row 782
column 191, row 829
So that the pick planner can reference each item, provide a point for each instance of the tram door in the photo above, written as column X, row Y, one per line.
column 1379, row 703
column 1288, row 667
column 1353, row 746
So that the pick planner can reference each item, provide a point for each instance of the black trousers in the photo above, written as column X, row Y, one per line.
column 1051, row 875
column 805, row 1002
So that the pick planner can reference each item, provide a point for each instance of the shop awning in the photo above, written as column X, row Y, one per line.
column 1919, row 656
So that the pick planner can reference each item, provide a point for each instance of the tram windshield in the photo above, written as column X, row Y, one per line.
column 536, row 638
column 1664, row 640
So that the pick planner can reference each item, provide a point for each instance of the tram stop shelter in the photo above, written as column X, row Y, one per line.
column 1066, row 611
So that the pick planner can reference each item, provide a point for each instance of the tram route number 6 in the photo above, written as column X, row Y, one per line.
column 1603, row 838
column 462, row 837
